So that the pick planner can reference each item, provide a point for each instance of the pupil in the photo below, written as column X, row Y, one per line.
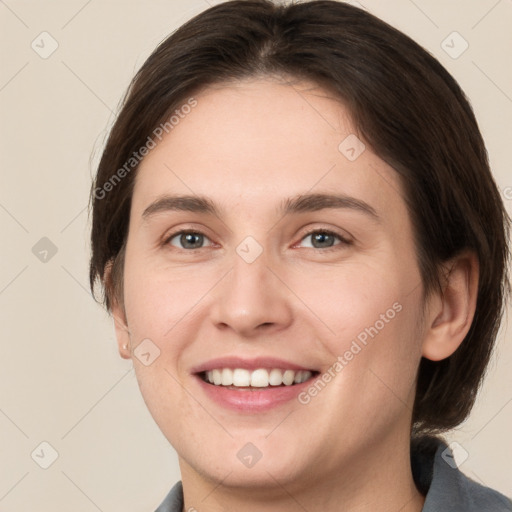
column 194, row 239
column 322, row 238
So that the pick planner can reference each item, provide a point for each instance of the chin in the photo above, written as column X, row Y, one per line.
column 247, row 465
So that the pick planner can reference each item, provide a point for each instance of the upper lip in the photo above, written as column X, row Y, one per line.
column 248, row 364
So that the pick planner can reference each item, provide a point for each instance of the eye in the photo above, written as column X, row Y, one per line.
column 187, row 240
column 324, row 239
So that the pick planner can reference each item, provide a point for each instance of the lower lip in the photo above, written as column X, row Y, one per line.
column 252, row 400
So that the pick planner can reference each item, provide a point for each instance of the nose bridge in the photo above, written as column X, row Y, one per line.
column 251, row 295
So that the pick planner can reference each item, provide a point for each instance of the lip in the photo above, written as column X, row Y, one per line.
column 249, row 364
column 254, row 400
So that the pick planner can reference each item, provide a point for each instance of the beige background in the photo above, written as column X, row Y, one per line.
column 61, row 378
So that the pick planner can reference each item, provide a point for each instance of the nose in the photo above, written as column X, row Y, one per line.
column 252, row 299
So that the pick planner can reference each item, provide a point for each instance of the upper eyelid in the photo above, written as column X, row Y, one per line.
column 325, row 230
column 172, row 232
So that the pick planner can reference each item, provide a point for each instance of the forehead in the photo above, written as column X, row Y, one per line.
column 257, row 141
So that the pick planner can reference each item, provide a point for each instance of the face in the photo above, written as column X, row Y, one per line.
column 284, row 246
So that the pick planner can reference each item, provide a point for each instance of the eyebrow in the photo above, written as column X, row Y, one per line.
column 298, row 204
column 195, row 204
column 314, row 202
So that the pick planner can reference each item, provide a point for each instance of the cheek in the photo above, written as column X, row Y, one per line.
column 161, row 301
column 355, row 296
column 381, row 358
column 371, row 313
column 162, row 306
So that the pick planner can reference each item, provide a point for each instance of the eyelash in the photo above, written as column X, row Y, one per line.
column 343, row 241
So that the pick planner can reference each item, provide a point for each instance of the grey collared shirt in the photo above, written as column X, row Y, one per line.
column 447, row 488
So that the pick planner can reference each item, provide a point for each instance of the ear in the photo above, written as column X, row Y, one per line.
column 123, row 334
column 452, row 309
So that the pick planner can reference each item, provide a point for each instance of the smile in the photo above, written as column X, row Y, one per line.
column 259, row 378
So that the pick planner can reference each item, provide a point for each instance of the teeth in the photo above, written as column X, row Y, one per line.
column 227, row 377
column 275, row 377
column 288, row 377
column 215, row 376
column 260, row 378
column 241, row 377
column 301, row 377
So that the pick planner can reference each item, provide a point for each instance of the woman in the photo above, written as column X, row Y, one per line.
column 304, row 252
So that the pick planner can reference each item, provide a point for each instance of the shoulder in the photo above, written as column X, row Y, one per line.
column 447, row 488
column 173, row 502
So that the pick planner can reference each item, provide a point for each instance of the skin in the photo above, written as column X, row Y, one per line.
column 248, row 146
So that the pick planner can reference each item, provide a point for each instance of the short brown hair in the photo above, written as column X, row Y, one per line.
column 405, row 106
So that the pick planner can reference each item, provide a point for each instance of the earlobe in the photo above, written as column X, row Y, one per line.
column 118, row 313
column 122, row 334
column 452, row 309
